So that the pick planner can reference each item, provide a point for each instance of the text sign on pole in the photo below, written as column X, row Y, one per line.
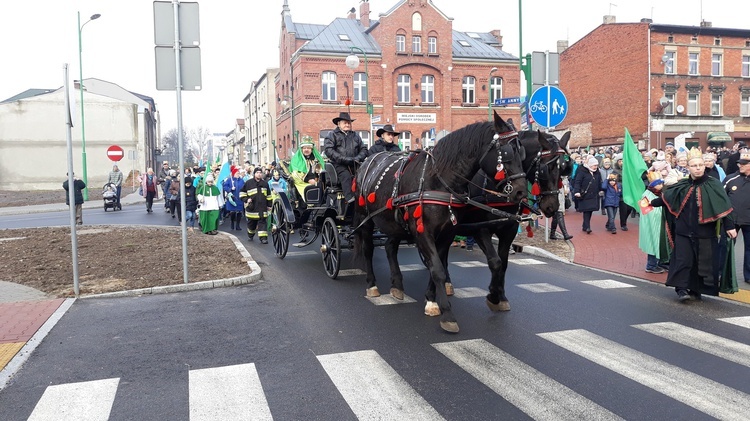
column 190, row 66
column 507, row 101
column 115, row 153
column 548, row 106
column 164, row 24
column 190, row 55
column 539, row 69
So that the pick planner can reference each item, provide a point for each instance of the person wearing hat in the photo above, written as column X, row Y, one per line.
column 257, row 197
column 737, row 187
column 165, row 179
column 210, row 200
column 78, row 186
column 695, row 205
column 652, row 238
column 149, row 185
column 715, row 171
column 234, row 206
column 305, row 165
column 586, row 188
column 669, row 148
column 345, row 149
column 386, row 141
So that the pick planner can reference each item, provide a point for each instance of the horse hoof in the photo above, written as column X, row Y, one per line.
column 450, row 327
column 397, row 294
column 500, row 306
column 431, row 309
column 373, row 292
column 448, row 289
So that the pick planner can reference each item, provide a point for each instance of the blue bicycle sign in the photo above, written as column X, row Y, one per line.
column 548, row 106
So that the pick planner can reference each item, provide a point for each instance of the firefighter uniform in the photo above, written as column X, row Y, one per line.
column 257, row 197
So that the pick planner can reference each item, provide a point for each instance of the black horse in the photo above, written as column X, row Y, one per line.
column 420, row 196
column 546, row 161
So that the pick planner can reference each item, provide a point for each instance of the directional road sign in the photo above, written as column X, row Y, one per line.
column 115, row 153
column 548, row 106
column 507, row 101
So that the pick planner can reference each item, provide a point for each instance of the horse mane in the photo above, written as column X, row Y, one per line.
column 454, row 148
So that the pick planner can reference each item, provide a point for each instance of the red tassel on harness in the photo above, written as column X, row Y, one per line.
column 529, row 231
column 361, row 200
column 526, row 211
column 371, row 197
column 535, row 190
column 354, row 185
column 559, row 184
column 500, row 175
column 420, row 227
column 406, row 216
column 418, row 211
column 389, row 203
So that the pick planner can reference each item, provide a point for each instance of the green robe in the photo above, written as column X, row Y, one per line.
column 652, row 237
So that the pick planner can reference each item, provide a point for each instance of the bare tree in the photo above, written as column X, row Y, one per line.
column 199, row 142
column 169, row 146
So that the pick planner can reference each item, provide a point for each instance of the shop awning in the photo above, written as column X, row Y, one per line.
column 718, row 137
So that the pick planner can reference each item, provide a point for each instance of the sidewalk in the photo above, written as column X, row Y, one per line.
column 126, row 199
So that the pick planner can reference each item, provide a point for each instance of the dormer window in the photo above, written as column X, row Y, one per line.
column 717, row 41
column 344, row 37
column 464, row 43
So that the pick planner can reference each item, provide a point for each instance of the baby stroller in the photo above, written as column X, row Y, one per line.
column 109, row 194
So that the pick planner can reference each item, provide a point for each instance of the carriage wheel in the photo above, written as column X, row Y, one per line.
column 330, row 248
column 279, row 230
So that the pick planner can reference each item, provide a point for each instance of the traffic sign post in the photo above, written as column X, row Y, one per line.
column 548, row 106
column 115, row 153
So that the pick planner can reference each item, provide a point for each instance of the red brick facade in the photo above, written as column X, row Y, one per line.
column 312, row 115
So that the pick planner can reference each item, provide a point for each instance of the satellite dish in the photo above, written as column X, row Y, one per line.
column 680, row 109
column 663, row 101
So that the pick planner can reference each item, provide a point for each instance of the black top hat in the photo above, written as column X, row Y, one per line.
column 342, row 116
column 386, row 129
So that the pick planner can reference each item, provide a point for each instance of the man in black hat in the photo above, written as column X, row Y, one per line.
column 732, row 166
column 345, row 149
column 385, row 143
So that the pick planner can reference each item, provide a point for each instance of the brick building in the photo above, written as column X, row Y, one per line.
column 419, row 75
column 659, row 81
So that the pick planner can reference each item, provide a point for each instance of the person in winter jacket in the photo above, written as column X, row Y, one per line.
column 586, row 188
column 210, row 198
column 191, row 204
column 233, row 204
column 652, row 237
column 605, row 169
column 174, row 194
column 345, row 149
column 257, row 197
column 611, row 200
column 386, row 141
column 78, row 186
column 737, row 187
column 559, row 218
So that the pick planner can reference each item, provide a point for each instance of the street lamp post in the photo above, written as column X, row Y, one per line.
column 490, row 92
column 80, row 87
column 283, row 104
column 352, row 62
column 270, row 137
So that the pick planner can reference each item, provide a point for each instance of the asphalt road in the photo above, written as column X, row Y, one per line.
column 577, row 344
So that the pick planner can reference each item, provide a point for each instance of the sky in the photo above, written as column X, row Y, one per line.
column 240, row 40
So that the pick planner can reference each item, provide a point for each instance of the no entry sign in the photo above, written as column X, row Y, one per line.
column 115, row 153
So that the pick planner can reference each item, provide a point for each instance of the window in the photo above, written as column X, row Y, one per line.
column 344, row 37
column 715, row 64
column 404, row 140
column 670, row 38
column 365, row 136
column 402, row 90
column 716, row 104
column 669, row 108
column 428, row 89
column 669, row 63
column 693, row 101
column 416, row 44
column 329, row 86
column 360, row 87
column 717, row 41
column 464, row 43
column 400, row 43
column 467, row 89
column 745, row 105
column 496, row 88
column 693, row 64
column 432, row 45
column 745, row 66
column 416, row 22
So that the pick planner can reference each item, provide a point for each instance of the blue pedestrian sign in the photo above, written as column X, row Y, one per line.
column 548, row 106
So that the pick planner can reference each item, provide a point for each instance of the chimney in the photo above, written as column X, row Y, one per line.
column 647, row 20
column 562, row 45
column 705, row 24
column 364, row 13
column 352, row 14
column 609, row 19
column 496, row 33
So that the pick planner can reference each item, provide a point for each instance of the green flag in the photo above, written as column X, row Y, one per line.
column 633, row 167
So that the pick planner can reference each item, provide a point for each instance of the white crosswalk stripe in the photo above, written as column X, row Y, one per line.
column 541, row 287
column 527, row 262
column 351, row 272
column 84, row 401
column 301, row 253
column 703, row 341
column 227, row 393
column 722, row 402
column 608, row 284
column 469, row 292
column 388, row 299
column 743, row 321
column 521, row 384
column 406, row 268
column 373, row 389
column 470, row 264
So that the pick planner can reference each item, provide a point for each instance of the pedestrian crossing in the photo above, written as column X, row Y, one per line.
column 373, row 389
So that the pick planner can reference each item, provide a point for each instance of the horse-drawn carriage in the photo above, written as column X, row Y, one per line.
column 322, row 212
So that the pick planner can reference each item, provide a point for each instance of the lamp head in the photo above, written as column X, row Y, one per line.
column 95, row 16
column 493, row 70
column 352, row 61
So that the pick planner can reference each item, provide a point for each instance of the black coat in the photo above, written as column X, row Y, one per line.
column 78, row 186
column 382, row 146
column 737, row 187
column 191, row 202
column 344, row 148
column 732, row 163
column 588, row 185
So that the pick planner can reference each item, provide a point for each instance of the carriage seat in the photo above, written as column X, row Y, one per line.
column 331, row 177
column 313, row 195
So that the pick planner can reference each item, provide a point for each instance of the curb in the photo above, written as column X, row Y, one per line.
column 536, row 251
column 61, row 207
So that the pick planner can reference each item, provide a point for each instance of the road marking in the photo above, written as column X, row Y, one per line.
column 743, row 321
column 387, row 299
column 406, row 268
column 470, row 264
column 83, row 401
column 541, row 287
column 300, row 253
column 703, row 341
column 227, row 393
column 469, row 292
column 351, row 272
column 527, row 262
column 373, row 389
column 608, row 284
column 520, row 384
column 722, row 402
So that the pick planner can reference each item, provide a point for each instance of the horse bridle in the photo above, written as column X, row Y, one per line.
column 538, row 163
column 505, row 156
